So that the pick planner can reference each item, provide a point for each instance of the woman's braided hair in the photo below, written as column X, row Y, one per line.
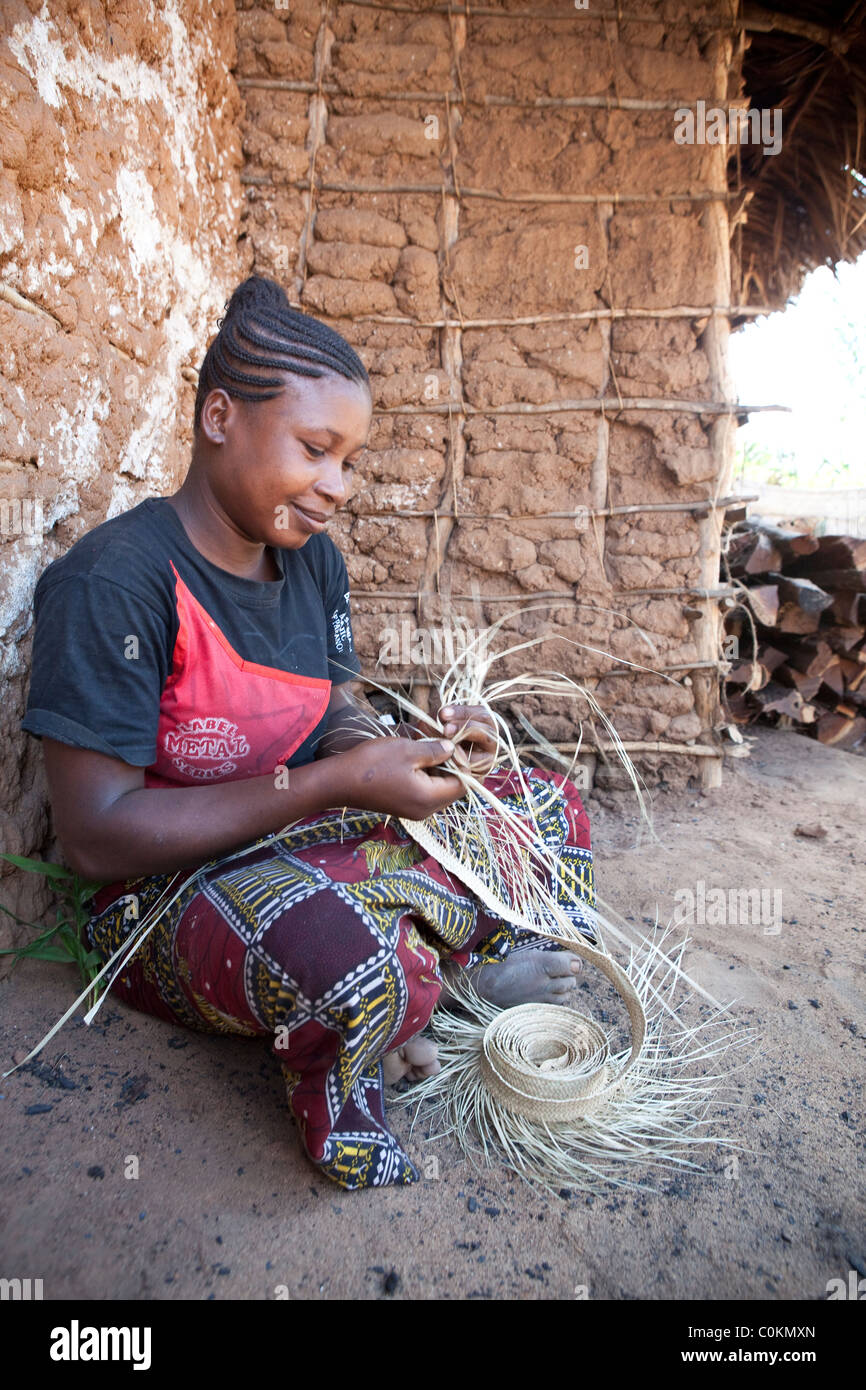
column 260, row 338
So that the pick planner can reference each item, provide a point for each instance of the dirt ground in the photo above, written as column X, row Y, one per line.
column 225, row 1207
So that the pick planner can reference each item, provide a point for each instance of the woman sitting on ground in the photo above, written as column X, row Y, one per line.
column 193, row 685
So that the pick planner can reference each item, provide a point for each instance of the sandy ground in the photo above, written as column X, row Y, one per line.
column 225, row 1207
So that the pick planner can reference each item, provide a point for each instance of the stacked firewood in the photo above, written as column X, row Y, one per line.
column 799, row 657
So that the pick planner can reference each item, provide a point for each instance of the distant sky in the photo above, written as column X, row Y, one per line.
column 811, row 357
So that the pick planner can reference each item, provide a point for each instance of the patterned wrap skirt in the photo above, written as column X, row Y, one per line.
column 328, row 941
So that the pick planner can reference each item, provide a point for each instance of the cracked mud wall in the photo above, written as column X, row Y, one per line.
column 119, row 211
column 514, row 276
column 425, row 210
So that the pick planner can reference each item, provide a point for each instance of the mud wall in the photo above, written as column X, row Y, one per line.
column 494, row 210
column 119, row 209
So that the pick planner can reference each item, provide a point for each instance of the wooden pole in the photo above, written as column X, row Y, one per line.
column 708, row 628
column 700, row 508
column 492, row 194
column 451, row 357
column 317, row 123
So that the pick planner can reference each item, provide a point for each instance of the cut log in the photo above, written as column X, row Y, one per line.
column 764, row 601
column 752, row 675
column 812, row 657
column 831, row 553
column 808, row 686
column 754, row 554
column 833, row 678
column 841, row 731
column 792, row 618
column 852, row 579
column 843, row 639
column 780, row 699
column 853, row 672
column 802, row 592
column 792, row 544
column 846, row 607
column 771, row 657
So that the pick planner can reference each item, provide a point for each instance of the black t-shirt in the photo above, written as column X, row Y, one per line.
column 146, row 651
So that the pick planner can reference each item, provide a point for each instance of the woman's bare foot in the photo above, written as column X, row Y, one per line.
column 531, row 977
column 416, row 1059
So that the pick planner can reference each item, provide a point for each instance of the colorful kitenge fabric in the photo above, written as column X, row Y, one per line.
column 328, row 941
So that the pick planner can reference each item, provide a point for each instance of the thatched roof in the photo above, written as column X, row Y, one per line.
column 805, row 206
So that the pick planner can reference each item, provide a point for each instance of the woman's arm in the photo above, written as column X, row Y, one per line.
column 112, row 826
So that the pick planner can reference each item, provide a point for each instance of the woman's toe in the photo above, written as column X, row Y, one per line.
column 561, row 986
column 559, row 964
column 422, row 1057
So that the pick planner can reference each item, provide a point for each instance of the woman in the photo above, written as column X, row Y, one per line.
column 193, row 687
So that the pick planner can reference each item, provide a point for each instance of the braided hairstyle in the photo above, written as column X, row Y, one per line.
column 260, row 338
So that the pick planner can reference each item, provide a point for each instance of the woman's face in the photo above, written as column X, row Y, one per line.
column 282, row 467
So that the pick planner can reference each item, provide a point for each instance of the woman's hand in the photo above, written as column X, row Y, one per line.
column 396, row 775
column 473, row 729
